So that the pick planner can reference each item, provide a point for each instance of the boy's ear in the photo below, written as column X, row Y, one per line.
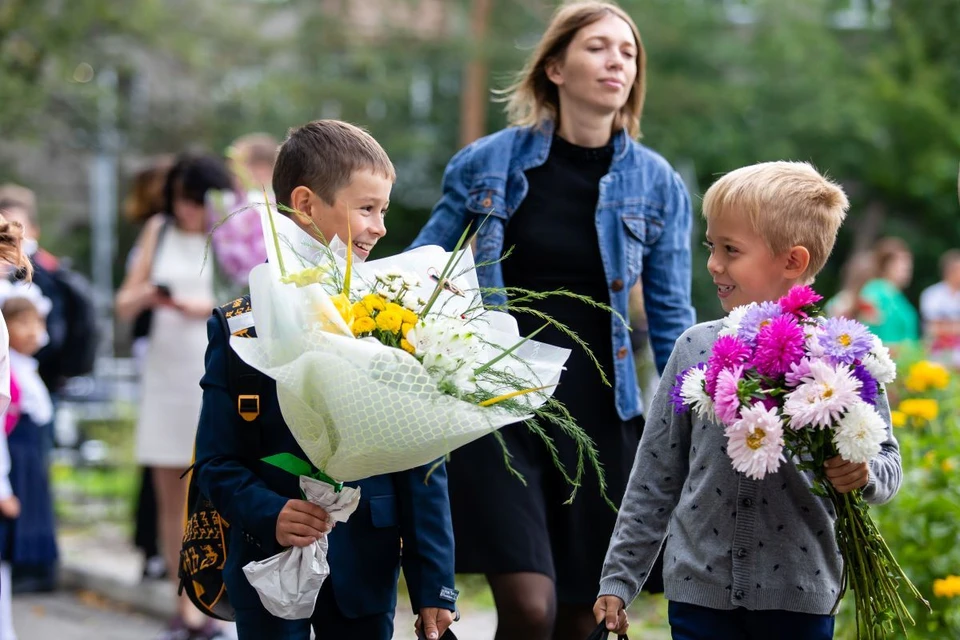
column 301, row 201
column 798, row 259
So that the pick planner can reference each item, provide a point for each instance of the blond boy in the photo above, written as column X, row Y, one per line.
column 744, row 559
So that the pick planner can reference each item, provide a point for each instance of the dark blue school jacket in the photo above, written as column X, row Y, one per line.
column 365, row 552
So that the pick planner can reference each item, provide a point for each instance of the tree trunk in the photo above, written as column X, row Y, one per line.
column 473, row 101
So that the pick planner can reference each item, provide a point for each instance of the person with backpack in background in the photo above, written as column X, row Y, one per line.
column 69, row 344
column 72, row 332
column 169, row 277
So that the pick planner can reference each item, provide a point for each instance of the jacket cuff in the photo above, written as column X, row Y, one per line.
column 261, row 530
column 613, row 587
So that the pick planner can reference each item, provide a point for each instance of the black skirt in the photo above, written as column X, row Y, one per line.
column 502, row 526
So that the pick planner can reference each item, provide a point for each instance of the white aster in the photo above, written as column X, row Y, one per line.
column 879, row 364
column 823, row 396
column 731, row 324
column 695, row 396
column 860, row 433
column 755, row 441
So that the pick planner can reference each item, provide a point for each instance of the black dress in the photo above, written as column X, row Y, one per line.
column 500, row 525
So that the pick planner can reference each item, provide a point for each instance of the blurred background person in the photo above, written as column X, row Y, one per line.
column 234, row 215
column 940, row 310
column 896, row 318
column 143, row 202
column 30, row 541
column 857, row 271
column 167, row 277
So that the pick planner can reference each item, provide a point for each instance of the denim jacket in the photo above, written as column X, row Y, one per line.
column 643, row 223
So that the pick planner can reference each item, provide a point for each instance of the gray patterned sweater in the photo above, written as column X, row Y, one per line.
column 730, row 541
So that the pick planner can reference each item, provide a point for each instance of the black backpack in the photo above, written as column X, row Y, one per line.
column 206, row 533
column 79, row 352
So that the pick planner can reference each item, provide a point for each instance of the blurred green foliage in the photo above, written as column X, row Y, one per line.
column 870, row 97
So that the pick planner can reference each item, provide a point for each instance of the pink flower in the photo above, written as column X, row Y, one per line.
column 728, row 351
column 798, row 299
column 726, row 400
column 779, row 345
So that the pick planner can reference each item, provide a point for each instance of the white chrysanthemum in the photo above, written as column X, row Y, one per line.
column 447, row 351
column 694, row 395
column 411, row 280
column 860, row 433
column 731, row 324
column 879, row 364
column 410, row 302
column 755, row 442
column 825, row 394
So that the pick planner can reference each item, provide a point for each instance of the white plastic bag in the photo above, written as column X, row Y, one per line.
column 289, row 582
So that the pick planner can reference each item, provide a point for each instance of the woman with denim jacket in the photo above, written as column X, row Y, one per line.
column 587, row 208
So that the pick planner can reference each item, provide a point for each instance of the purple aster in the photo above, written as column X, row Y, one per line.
column 845, row 340
column 779, row 345
column 799, row 300
column 676, row 397
column 868, row 387
column 756, row 318
column 798, row 371
column 728, row 351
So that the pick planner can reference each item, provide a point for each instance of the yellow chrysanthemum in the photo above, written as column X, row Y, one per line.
column 898, row 418
column 344, row 308
column 409, row 317
column 926, row 375
column 406, row 346
column 360, row 310
column 948, row 587
column 923, row 409
column 389, row 320
column 393, row 306
column 405, row 328
column 363, row 325
column 373, row 302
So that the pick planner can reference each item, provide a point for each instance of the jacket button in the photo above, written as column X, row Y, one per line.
column 747, row 502
column 741, row 552
column 738, row 594
column 617, row 285
column 487, row 201
column 622, row 352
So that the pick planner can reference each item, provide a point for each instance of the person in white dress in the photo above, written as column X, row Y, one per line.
column 169, row 276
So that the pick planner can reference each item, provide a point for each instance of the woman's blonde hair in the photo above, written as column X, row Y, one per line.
column 533, row 97
column 11, row 249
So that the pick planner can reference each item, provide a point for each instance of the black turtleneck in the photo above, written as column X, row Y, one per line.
column 555, row 245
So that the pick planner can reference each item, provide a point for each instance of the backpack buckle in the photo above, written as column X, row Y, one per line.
column 248, row 407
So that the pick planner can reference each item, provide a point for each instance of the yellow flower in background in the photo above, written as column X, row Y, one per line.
column 948, row 587
column 947, row 465
column 360, row 310
column 923, row 409
column 406, row 346
column 929, row 459
column 373, row 302
column 344, row 308
column 389, row 320
column 926, row 375
column 898, row 418
column 363, row 324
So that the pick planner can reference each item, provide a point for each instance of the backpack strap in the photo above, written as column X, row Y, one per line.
column 244, row 383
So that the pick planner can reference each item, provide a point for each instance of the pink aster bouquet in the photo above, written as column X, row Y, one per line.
column 785, row 381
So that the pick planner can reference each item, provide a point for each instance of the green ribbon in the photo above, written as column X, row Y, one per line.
column 299, row 467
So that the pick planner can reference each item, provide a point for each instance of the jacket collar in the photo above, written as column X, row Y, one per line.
column 537, row 140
